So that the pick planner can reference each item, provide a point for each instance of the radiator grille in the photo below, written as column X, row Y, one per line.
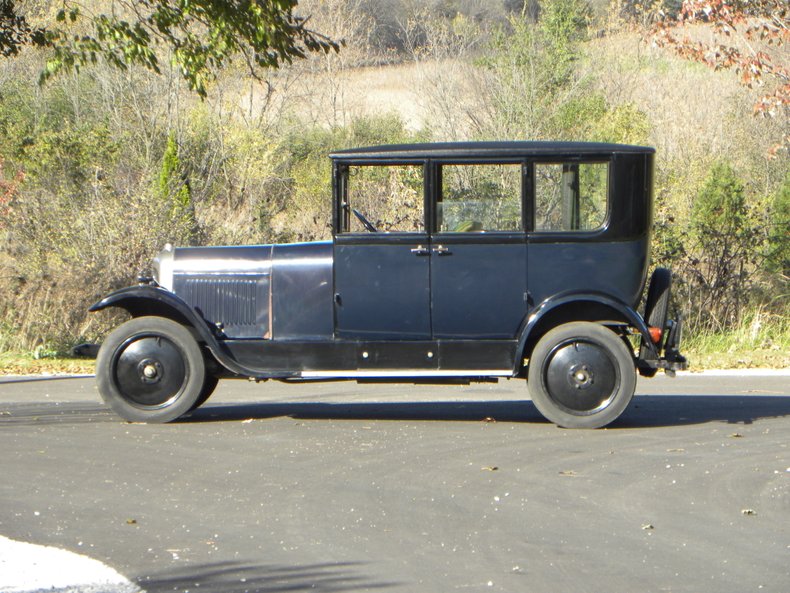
column 241, row 305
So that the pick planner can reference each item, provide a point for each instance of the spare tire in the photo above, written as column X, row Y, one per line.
column 656, row 311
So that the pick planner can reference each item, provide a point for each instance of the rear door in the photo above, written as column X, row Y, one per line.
column 478, row 251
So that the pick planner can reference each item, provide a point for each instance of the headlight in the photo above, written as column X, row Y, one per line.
column 163, row 267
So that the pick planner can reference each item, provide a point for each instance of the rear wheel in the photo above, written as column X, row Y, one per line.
column 150, row 369
column 581, row 375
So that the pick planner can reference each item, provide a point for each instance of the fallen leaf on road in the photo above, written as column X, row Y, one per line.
column 490, row 468
column 131, row 521
column 648, row 526
column 736, row 435
column 569, row 472
column 748, row 512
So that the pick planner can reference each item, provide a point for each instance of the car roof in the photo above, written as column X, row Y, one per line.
column 466, row 150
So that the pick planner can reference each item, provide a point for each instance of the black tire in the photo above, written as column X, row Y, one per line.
column 656, row 311
column 209, row 385
column 150, row 369
column 581, row 375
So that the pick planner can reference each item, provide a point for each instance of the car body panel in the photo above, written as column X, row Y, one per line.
column 301, row 296
column 613, row 268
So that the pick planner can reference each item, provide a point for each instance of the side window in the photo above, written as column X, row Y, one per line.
column 385, row 198
column 570, row 196
column 482, row 197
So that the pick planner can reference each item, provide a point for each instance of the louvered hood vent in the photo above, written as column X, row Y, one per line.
column 228, row 286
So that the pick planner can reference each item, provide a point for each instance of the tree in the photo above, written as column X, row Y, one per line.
column 727, row 247
column 749, row 37
column 539, row 87
column 200, row 35
column 778, row 244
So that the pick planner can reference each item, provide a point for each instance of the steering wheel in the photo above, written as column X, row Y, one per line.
column 365, row 222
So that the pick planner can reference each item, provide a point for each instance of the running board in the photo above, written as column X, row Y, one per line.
column 403, row 374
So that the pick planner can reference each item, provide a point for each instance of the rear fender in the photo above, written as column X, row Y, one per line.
column 594, row 307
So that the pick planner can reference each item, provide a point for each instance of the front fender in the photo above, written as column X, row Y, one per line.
column 581, row 307
column 145, row 299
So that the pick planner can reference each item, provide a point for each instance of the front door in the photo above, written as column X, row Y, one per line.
column 382, row 256
column 382, row 287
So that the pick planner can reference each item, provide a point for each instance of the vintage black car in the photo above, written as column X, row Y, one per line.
column 452, row 262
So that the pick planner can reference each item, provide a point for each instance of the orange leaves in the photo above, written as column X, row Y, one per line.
column 8, row 190
column 737, row 27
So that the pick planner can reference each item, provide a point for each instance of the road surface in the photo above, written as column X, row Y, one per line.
column 343, row 487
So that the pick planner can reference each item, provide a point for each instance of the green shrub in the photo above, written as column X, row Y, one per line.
column 778, row 254
column 725, row 250
column 306, row 209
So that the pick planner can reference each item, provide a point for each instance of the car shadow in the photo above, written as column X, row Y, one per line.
column 644, row 411
column 240, row 577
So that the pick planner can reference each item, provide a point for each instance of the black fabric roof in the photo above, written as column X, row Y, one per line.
column 467, row 150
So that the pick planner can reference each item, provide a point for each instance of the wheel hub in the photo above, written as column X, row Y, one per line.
column 150, row 371
column 581, row 376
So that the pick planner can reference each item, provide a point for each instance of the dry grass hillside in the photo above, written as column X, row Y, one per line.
column 688, row 104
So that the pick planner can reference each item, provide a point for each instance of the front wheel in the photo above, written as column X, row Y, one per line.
column 581, row 375
column 209, row 385
column 150, row 369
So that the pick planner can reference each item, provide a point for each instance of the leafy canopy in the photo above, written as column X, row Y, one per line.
column 201, row 35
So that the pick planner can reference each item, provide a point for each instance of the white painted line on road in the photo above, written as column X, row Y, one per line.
column 28, row 568
column 692, row 373
column 43, row 377
column 738, row 373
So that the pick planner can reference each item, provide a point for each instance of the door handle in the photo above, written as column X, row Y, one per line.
column 420, row 250
column 441, row 250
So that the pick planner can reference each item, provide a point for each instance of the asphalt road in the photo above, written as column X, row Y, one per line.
column 343, row 487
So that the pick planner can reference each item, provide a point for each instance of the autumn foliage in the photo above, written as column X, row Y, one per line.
column 737, row 26
column 8, row 190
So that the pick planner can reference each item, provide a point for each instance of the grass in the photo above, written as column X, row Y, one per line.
column 702, row 357
column 24, row 363
column 761, row 341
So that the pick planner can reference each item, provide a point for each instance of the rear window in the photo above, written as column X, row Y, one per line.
column 571, row 196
